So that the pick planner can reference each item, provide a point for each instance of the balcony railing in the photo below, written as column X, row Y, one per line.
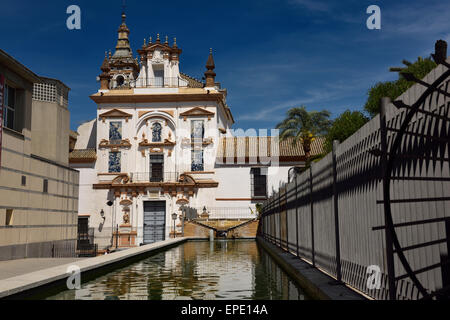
column 228, row 213
column 166, row 82
column 154, row 177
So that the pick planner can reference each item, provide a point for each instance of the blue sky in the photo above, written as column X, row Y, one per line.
column 270, row 54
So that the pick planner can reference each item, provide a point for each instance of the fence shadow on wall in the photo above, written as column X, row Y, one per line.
column 380, row 199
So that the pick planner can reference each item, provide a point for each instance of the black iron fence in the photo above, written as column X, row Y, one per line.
column 86, row 246
column 62, row 249
column 374, row 213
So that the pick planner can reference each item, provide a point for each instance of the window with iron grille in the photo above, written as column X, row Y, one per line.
column 259, row 182
column 156, row 168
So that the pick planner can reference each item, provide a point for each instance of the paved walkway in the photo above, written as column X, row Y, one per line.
column 29, row 275
column 14, row 268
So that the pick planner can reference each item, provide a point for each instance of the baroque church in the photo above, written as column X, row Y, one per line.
column 162, row 142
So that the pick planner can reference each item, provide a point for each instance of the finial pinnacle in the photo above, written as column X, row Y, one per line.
column 145, row 42
column 150, row 41
column 124, row 6
column 210, row 64
column 175, row 42
column 167, row 39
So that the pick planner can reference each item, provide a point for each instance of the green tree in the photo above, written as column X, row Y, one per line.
column 393, row 89
column 259, row 208
column 304, row 126
column 344, row 126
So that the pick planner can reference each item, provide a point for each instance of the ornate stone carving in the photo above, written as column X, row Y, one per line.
column 188, row 143
column 121, row 179
column 182, row 201
column 166, row 143
column 113, row 145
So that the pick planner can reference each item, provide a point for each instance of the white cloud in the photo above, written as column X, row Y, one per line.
column 355, row 86
column 424, row 20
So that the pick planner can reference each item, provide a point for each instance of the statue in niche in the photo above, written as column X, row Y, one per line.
column 126, row 217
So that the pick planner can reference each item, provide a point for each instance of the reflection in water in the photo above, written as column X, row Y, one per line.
column 199, row 270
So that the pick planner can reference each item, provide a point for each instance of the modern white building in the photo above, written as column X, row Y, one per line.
column 161, row 140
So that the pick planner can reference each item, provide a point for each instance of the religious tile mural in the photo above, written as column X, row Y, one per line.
column 156, row 132
column 197, row 160
column 114, row 162
column 197, row 129
column 115, row 131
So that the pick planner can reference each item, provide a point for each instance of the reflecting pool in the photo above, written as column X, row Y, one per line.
column 198, row 270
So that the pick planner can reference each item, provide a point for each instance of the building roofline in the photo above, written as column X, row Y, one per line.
column 176, row 97
column 18, row 67
column 56, row 80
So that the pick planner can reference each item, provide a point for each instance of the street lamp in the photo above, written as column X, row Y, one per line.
column 174, row 218
column 205, row 214
column 183, row 218
column 110, row 204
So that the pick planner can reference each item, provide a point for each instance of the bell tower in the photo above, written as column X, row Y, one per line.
column 124, row 68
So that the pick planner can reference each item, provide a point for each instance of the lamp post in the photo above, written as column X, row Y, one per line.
column 109, row 204
column 183, row 217
column 174, row 218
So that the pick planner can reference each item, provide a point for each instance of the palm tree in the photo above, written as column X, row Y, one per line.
column 304, row 126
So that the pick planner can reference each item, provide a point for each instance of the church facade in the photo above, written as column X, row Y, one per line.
column 163, row 141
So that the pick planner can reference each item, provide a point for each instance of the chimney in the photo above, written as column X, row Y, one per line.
column 440, row 52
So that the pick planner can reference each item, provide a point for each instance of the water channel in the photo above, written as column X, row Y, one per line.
column 198, row 270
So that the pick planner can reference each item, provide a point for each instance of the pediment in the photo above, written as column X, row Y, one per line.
column 115, row 113
column 162, row 47
column 197, row 112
